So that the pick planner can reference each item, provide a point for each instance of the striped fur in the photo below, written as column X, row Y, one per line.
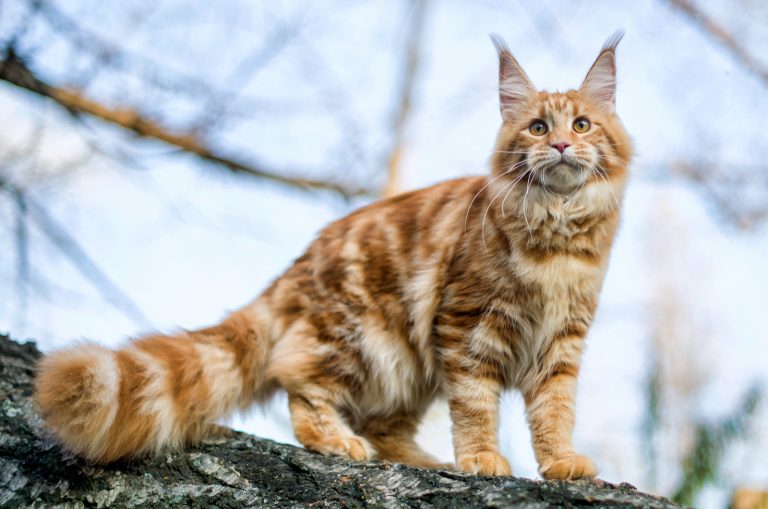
column 464, row 289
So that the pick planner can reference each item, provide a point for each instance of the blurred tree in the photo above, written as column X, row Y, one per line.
column 94, row 64
column 684, row 451
column 745, row 498
column 140, row 74
column 403, row 110
column 702, row 464
column 738, row 192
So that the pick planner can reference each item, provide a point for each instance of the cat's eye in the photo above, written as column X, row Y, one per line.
column 538, row 128
column 581, row 125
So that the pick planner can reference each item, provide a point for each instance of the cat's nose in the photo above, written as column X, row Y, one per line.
column 560, row 146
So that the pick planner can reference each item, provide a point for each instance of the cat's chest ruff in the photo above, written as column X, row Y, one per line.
column 555, row 274
column 560, row 280
column 558, row 249
column 559, row 286
column 562, row 223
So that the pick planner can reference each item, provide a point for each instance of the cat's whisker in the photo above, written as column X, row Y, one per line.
column 610, row 144
column 503, row 189
column 525, row 206
column 610, row 158
column 517, row 165
column 504, row 200
column 546, row 189
column 601, row 173
column 514, row 167
column 485, row 214
column 510, row 152
column 606, row 155
column 469, row 208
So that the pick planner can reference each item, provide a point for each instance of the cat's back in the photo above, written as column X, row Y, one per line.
column 415, row 215
column 380, row 263
column 389, row 241
column 361, row 300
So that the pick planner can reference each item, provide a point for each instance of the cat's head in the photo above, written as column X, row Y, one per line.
column 560, row 141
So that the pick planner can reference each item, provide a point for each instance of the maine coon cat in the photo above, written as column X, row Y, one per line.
column 462, row 290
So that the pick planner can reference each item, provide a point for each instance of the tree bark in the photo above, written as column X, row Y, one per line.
column 245, row 471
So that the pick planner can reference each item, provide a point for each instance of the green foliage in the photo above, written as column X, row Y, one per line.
column 702, row 465
column 651, row 423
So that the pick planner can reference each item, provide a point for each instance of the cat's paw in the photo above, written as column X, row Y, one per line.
column 484, row 463
column 214, row 431
column 574, row 466
column 212, row 434
column 356, row 448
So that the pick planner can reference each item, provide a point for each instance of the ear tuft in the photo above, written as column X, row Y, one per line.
column 600, row 82
column 613, row 41
column 515, row 89
column 499, row 43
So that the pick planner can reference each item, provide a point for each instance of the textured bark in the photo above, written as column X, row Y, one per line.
column 245, row 471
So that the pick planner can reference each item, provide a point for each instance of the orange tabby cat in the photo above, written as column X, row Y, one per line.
column 463, row 289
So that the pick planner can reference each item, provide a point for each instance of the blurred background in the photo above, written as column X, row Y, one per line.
column 161, row 161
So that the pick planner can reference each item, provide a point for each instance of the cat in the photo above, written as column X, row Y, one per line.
column 461, row 290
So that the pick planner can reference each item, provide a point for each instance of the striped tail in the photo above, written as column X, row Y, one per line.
column 157, row 393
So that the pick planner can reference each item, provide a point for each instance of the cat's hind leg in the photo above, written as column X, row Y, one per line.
column 320, row 428
column 393, row 437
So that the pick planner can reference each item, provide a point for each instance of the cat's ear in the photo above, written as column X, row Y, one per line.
column 600, row 83
column 515, row 89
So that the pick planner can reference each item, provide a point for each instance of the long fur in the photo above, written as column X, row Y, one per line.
column 463, row 289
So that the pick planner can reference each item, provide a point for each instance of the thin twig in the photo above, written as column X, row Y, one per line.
column 412, row 60
column 76, row 254
column 21, row 233
column 108, row 54
column 737, row 211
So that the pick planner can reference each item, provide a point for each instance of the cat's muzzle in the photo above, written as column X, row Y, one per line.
column 563, row 178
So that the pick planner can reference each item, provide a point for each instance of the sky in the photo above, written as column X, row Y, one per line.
column 189, row 245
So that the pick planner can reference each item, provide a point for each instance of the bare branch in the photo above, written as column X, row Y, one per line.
column 725, row 190
column 74, row 252
column 723, row 36
column 245, row 72
column 14, row 71
column 405, row 95
column 21, row 234
column 108, row 54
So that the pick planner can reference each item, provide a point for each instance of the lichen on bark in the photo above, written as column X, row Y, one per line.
column 246, row 471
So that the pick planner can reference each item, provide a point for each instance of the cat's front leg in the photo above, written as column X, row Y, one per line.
column 550, row 408
column 474, row 406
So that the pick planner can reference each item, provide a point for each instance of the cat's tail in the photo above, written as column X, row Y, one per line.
column 158, row 392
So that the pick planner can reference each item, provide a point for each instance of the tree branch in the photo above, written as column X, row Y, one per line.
column 405, row 96
column 725, row 190
column 15, row 71
column 723, row 36
column 74, row 252
column 245, row 471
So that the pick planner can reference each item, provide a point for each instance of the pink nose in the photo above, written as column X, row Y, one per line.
column 561, row 146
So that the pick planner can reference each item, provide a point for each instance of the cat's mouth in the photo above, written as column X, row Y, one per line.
column 563, row 177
